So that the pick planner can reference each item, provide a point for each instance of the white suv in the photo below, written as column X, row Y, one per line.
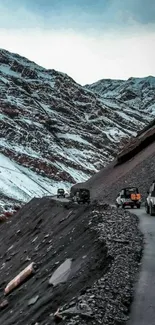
column 150, row 200
column 129, row 197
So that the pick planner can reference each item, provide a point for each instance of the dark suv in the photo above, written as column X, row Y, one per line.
column 80, row 195
column 60, row 193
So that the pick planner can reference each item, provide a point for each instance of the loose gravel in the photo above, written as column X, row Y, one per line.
column 102, row 247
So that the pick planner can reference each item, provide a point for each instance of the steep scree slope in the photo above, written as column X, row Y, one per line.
column 134, row 166
column 101, row 248
column 61, row 130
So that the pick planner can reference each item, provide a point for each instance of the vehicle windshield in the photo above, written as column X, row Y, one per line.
column 84, row 191
column 153, row 188
column 130, row 191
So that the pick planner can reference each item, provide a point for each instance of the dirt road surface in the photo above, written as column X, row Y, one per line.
column 143, row 308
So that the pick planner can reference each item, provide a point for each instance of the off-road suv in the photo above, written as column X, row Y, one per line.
column 60, row 193
column 80, row 195
column 150, row 200
column 129, row 196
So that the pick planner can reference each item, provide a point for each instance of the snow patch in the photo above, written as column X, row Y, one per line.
column 74, row 137
column 20, row 149
column 77, row 175
column 6, row 70
column 114, row 134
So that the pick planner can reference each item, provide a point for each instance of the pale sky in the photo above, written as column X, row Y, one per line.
column 87, row 39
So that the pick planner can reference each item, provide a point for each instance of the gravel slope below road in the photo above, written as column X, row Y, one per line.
column 102, row 246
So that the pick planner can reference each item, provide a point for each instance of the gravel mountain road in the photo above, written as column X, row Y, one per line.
column 143, row 308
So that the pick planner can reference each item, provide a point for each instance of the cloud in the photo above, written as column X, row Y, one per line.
column 86, row 57
column 125, row 11
column 18, row 17
column 77, row 14
column 87, row 39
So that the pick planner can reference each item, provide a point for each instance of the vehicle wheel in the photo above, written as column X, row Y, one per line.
column 152, row 210
column 138, row 206
column 117, row 205
column 123, row 206
column 147, row 208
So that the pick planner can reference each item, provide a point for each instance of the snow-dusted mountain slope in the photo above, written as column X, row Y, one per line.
column 22, row 184
column 135, row 97
column 59, row 131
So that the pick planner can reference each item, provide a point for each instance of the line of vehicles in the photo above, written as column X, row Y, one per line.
column 127, row 197
column 78, row 195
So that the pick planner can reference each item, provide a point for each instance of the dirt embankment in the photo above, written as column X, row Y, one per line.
column 138, row 171
column 101, row 248
column 133, row 166
column 143, row 139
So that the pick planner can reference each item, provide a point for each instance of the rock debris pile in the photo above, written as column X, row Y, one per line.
column 109, row 298
column 86, row 260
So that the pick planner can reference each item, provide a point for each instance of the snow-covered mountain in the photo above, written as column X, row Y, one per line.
column 54, row 131
column 135, row 96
